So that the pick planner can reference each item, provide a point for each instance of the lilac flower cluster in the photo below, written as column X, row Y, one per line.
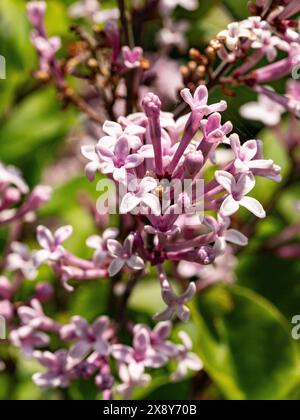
column 16, row 201
column 45, row 46
column 146, row 155
column 94, row 350
column 141, row 150
column 255, row 39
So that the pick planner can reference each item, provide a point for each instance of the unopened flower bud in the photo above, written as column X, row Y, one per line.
column 11, row 196
column 5, row 288
column 39, row 196
column 36, row 12
column 152, row 105
column 204, row 255
column 193, row 164
column 44, row 292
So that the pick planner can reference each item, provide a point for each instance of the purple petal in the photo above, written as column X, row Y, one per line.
column 115, row 248
column 201, row 95
column 254, row 206
column 63, row 233
column 229, row 206
column 122, row 353
column 113, row 129
column 115, row 266
column 132, row 161
column 141, row 341
column 44, row 237
column 129, row 203
column 162, row 331
column 135, row 262
column 77, row 353
column 236, row 237
column 121, row 150
column 225, row 179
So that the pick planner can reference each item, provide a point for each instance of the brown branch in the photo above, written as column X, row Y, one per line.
column 81, row 104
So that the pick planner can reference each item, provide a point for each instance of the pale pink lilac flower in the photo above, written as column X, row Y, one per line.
column 51, row 243
column 47, row 49
column 9, row 175
column 132, row 377
column 57, row 374
column 99, row 244
column 173, row 36
column 249, row 158
column 175, row 304
column 6, row 294
column 158, row 338
column 222, row 270
column 269, row 45
column 187, row 360
column 91, row 10
column 33, row 316
column 132, row 57
column 140, row 194
column 224, row 234
column 88, row 338
column 84, row 8
column 198, row 101
column 28, row 339
column 123, row 255
column 119, row 160
column 114, row 131
column 237, row 194
column 89, row 152
column 104, row 15
column 21, row 259
column 36, row 13
column 167, row 6
column 233, row 34
column 141, row 354
column 264, row 110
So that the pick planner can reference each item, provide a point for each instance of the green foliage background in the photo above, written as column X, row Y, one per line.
column 242, row 333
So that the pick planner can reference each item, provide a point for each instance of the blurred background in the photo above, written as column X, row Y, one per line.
column 242, row 333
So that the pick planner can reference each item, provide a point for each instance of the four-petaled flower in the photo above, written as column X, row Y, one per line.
column 237, row 191
column 58, row 375
column 118, row 161
column 123, row 255
column 92, row 338
column 141, row 353
column 232, row 35
column 223, row 233
column 175, row 304
column 51, row 243
column 132, row 376
column 198, row 101
column 187, row 360
column 132, row 57
column 140, row 194
column 265, row 110
column 21, row 259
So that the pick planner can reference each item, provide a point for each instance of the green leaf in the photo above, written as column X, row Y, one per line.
column 280, row 285
column 34, row 129
column 237, row 8
column 245, row 345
